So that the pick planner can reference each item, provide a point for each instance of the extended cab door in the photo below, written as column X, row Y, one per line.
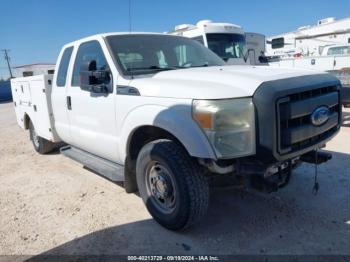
column 59, row 96
column 92, row 115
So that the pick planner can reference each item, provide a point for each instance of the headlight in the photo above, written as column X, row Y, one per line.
column 229, row 125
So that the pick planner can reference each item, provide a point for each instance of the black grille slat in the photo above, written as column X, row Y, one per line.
column 302, row 108
column 294, row 127
column 312, row 93
column 314, row 140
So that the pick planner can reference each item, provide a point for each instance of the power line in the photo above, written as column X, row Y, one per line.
column 7, row 58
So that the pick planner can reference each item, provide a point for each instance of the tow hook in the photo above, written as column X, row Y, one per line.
column 316, row 157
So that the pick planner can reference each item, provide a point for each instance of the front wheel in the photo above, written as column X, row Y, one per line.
column 170, row 184
column 41, row 145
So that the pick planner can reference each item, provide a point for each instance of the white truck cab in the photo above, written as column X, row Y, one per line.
column 163, row 113
column 227, row 40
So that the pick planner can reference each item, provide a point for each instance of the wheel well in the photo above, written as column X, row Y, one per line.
column 144, row 135
column 26, row 121
column 138, row 139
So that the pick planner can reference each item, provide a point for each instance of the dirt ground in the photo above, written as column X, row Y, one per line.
column 52, row 205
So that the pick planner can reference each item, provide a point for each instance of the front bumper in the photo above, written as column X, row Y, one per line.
column 270, row 178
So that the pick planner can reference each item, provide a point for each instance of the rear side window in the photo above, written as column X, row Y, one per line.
column 63, row 68
column 87, row 52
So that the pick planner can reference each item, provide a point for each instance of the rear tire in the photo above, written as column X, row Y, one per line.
column 170, row 183
column 41, row 145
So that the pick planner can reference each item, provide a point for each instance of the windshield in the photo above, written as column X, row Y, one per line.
column 147, row 54
column 227, row 45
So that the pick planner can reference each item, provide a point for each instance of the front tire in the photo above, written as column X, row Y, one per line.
column 170, row 184
column 41, row 145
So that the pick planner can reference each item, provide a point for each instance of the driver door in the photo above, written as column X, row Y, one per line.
column 92, row 115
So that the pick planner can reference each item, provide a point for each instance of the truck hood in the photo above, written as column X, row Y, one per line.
column 215, row 82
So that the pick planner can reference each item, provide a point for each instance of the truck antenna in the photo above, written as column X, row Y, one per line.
column 129, row 16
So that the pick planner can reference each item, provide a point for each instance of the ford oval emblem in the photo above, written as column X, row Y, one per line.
column 320, row 115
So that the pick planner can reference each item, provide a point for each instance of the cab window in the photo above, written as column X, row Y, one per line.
column 149, row 54
column 131, row 59
column 87, row 52
column 62, row 70
column 227, row 46
column 186, row 54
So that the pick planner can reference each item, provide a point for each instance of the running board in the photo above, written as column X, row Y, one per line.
column 104, row 167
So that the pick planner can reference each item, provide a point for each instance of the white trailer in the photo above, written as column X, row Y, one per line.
column 226, row 40
column 324, row 46
column 255, row 47
column 310, row 40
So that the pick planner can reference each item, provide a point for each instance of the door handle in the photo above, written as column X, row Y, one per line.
column 69, row 103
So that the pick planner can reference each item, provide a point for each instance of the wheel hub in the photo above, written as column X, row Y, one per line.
column 161, row 186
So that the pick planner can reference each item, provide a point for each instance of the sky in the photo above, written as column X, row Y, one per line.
column 35, row 30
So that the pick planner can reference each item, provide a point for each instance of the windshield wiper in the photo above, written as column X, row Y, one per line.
column 158, row 68
column 153, row 67
column 203, row 65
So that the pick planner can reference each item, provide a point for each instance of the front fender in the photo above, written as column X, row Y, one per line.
column 176, row 120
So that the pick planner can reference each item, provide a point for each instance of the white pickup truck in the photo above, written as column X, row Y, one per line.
column 163, row 114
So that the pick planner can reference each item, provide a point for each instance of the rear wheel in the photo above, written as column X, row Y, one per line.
column 41, row 145
column 170, row 184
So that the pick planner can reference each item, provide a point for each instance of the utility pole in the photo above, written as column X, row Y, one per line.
column 7, row 58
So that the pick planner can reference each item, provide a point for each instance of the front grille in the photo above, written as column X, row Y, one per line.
column 294, row 128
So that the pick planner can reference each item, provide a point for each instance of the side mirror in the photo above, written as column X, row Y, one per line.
column 93, row 80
